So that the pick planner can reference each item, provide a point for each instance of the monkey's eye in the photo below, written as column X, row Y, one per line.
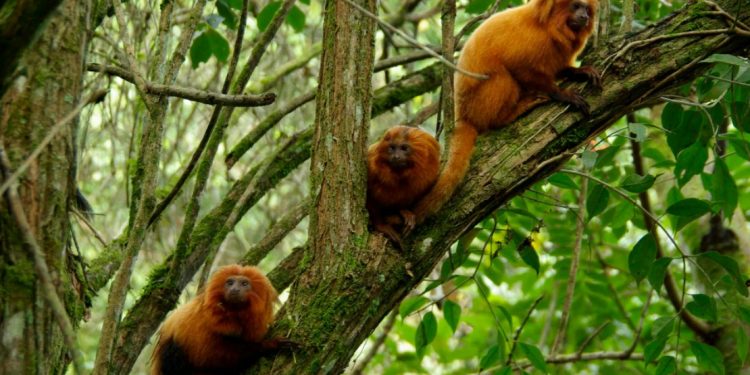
column 230, row 282
column 391, row 148
column 404, row 147
column 245, row 283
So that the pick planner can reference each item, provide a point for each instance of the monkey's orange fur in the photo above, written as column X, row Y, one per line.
column 213, row 336
column 522, row 51
column 401, row 168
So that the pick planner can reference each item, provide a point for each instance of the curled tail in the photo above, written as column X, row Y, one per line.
column 461, row 147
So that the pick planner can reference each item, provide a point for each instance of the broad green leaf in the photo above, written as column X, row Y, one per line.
column 709, row 358
column 306, row 2
column 296, row 19
column 741, row 147
column 666, row 366
column 200, row 50
column 219, row 45
column 563, row 181
column 508, row 318
column 684, row 128
column 426, row 332
column 597, row 200
column 530, row 257
column 690, row 162
column 742, row 344
column 689, row 207
column 657, row 272
column 732, row 268
column 741, row 115
column 637, row 184
column 478, row 6
column 744, row 314
column 236, row 4
column 491, row 357
column 727, row 59
column 723, row 188
column 703, row 307
column 534, row 355
column 653, row 349
column 663, row 326
column 623, row 212
column 411, row 304
column 230, row 19
column 451, row 313
column 642, row 257
column 588, row 158
column 266, row 14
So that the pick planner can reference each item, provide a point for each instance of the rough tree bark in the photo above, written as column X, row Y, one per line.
column 49, row 88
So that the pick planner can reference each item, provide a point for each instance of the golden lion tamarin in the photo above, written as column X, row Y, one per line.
column 222, row 330
column 401, row 168
column 522, row 51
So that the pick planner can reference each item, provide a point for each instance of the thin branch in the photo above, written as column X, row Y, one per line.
column 189, row 93
column 591, row 337
column 517, row 335
column 415, row 43
column 615, row 295
column 97, row 96
column 288, row 270
column 40, row 264
column 628, row 8
column 699, row 327
column 90, row 227
column 640, row 323
column 277, row 232
column 423, row 114
column 448, row 20
column 575, row 260
column 265, row 83
column 379, row 341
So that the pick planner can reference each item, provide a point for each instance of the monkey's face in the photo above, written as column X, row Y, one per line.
column 396, row 149
column 579, row 15
column 236, row 290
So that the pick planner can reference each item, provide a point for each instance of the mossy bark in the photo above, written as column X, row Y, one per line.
column 49, row 89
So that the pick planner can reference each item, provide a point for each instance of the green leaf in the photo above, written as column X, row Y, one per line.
column 723, row 188
column 638, row 184
column 230, row 19
column 534, row 355
column 689, row 207
column 653, row 349
column 452, row 313
column 742, row 344
column 411, row 304
column 236, row 4
column 666, row 366
column 657, row 272
column 426, row 332
column 563, row 181
column 219, row 45
column 490, row 357
column 597, row 200
column 478, row 6
column 709, row 358
column 684, row 126
column 690, row 162
column 732, row 268
column 741, row 115
column 703, row 307
column 266, row 14
column 296, row 19
column 663, row 326
column 588, row 158
column 727, row 59
column 642, row 257
column 530, row 257
column 200, row 50
column 741, row 147
column 744, row 314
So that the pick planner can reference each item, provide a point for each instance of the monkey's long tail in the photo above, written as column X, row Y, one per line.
column 461, row 147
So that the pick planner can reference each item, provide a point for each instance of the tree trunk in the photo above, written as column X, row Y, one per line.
column 50, row 88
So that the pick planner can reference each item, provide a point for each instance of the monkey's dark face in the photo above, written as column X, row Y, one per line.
column 579, row 16
column 236, row 290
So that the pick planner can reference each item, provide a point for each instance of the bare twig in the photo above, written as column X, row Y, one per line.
column 97, row 96
column 591, row 337
column 90, row 226
column 389, row 323
column 40, row 264
column 640, row 323
column 415, row 43
column 188, row 93
column 448, row 20
column 574, row 261
column 517, row 335
column 423, row 115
